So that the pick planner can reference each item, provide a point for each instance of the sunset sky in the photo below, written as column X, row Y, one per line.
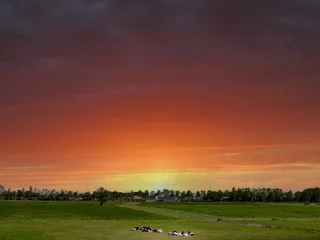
column 141, row 94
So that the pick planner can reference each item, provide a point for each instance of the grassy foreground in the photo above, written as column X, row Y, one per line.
column 79, row 220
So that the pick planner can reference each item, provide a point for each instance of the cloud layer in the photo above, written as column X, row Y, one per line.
column 138, row 86
column 92, row 40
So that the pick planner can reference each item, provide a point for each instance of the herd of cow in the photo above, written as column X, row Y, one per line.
column 173, row 233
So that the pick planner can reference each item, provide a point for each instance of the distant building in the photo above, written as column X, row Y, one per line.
column 159, row 197
column 169, row 199
column 138, row 199
column 165, row 198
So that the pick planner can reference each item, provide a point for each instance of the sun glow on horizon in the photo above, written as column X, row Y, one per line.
column 148, row 99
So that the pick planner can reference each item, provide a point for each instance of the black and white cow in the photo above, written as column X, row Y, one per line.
column 180, row 234
column 146, row 229
column 135, row 228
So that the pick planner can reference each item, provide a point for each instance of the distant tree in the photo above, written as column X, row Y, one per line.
column 95, row 195
column 122, row 196
column 306, row 195
column 19, row 193
column 233, row 195
column 198, row 194
column 146, row 194
column 75, row 194
column 166, row 191
column 104, row 195
column 263, row 195
column 279, row 195
column 316, row 194
column 203, row 193
column 271, row 196
column 258, row 195
column 53, row 194
column 183, row 194
column 177, row 193
column 23, row 192
column 100, row 194
column 67, row 195
column 10, row 195
column 114, row 196
column 172, row 193
column 220, row 195
column 140, row 193
column 226, row 194
column 289, row 196
column 254, row 195
column 240, row 194
column 216, row 197
column 131, row 195
column 2, row 190
column 297, row 196
column 209, row 195
column 189, row 193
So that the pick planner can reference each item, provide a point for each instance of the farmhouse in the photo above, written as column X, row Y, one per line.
column 169, row 199
column 138, row 199
column 165, row 198
column 159, row 198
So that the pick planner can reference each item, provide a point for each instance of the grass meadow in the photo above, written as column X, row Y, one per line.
column 22, row 220
column 252, row 210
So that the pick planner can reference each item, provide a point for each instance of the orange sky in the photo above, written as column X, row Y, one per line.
column 71, row 146
column 185, row 96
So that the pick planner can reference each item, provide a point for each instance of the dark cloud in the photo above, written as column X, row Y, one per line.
column 51, row 49
column 249, row 22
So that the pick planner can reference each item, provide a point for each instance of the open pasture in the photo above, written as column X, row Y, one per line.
column 88, row 220
column 243, row 210
column 70, row 211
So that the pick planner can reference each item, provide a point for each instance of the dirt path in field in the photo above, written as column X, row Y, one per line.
column 171, row 213
column 185, row 215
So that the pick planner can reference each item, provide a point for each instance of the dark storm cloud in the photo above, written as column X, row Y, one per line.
column 55, row 48
column 251, row 22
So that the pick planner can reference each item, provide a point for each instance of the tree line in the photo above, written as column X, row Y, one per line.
column 233, row 195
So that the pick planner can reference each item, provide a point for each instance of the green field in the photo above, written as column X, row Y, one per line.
column 88, row 220
column 245, row 210
column 70, row 211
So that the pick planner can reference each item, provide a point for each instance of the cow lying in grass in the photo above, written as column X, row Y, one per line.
column 181, row 234
column 146, row 229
